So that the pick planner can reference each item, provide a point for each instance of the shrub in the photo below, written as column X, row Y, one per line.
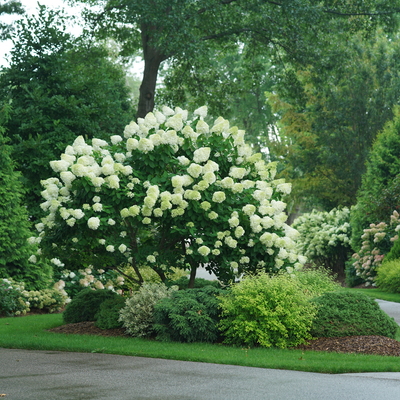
column 196, row 194
column 317, row 280
column 388, row 276
column 108, row 314
column 349, row 314
column 47, row 299
column 11, row 299
column 199, row 283
column 325, row 238
column 268, row 311
column 188, row 316
column 377, row 241
column 85, row 305
column 137, row 315
column 394, row 252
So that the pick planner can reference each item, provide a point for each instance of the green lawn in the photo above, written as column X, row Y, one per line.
column 30, row 333
column 378, row 294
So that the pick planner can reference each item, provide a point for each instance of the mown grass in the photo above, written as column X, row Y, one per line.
column 377, row 294
column 30, row 332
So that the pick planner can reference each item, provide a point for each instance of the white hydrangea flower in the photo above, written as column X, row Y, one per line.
column 201, row 112
column 204, row 251
column 218, row 197
column 239, row 232
column 183, row 160
column 93, row 223
column 122, row 248
column 131, row 130
column 202, row 127
column 237, row 173
column 110, row 248
column 213, row 215
column 227, row 183
column 133, row 211
column 151, row 259
column 32, row 259
column 175, row 122
column 195, row 170
column 201, row 155
column 145, row 145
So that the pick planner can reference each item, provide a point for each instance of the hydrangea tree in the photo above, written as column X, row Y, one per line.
column 171, row 192
column 325, row 237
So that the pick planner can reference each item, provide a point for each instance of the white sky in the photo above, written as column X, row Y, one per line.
column 30, row 8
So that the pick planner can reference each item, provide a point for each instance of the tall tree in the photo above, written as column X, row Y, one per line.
column 181, row 29
column 8, row 7
column 331, row 116
column 60, row 89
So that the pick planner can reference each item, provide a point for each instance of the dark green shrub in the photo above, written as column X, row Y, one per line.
column 188, row 316
column 350, row 314
column 388, row 276
column 108, row 314
column 352, row 279
column 183, row 283
column 394, row 253
column 85, row 305
column 267, row 311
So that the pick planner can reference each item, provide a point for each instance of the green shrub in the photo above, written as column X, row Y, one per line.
column 108, row 314
column 317, row 280
column 85, row 305
column 268, row 311
column 350, row 314
column 188, row 316
column 394, row 252
column 388, row 276
column 137, row 315
column 183, row 283
column 47, row 299
column 352, row 279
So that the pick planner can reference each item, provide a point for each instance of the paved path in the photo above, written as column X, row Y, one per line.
column 50, row 375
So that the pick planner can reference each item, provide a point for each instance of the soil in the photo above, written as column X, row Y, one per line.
column 378, row 345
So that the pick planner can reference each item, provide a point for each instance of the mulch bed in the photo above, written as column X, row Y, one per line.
column 378, row 345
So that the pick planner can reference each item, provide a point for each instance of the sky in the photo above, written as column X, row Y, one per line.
column 30, row 8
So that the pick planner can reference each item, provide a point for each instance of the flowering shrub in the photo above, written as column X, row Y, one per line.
column 325, row 237
column 90, row 278
column 172, row 193
column 15, row 300
column 377, row 242
column 137, row 315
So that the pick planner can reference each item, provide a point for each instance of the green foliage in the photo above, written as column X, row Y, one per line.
column 325, row 238
column 267, row 311
column 9, row 7
column 137, row 315
column 388, row 276
column 108, row 315
column 350, row 314
column 199, row 283
column 331, row 114
column 14, row 221
column 85, row 305
column 59, row 88
column 394, row 252
column 352, row 279
column 380, row 190
column 11, row 302
column 188, row 316
column 317, row 280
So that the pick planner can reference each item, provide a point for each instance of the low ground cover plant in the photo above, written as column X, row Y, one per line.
column 189, row 316
column 86, row 304
column 347, row 314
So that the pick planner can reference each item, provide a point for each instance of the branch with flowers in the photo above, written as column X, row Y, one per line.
column 172, row 192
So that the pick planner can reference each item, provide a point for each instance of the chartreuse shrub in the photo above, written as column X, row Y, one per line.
column 325, row 238
column 267, row 311
column 86, row 304
column 108, row 315
column 317, row 280
column 388, row 276
column 188, row 316
column 172, row 192
column 348, row 314
column 137, row 315
column 377, row 242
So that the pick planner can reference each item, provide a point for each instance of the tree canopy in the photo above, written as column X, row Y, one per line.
column 8, row 7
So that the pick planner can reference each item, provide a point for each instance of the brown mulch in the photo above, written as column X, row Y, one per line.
column 378, row 345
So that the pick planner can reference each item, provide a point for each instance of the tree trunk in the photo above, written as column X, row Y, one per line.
column 193, row 269
column 152, row 60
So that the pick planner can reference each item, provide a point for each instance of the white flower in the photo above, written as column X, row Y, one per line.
column 218, row 197
column 202, row 127
column 32, row 259
column 97, row 207
column 249, row 209
column 212, row 215
column 195, row 170
column 202, row 154
column 201, row 112
column 183, row 160
column 93, row 223
column 151, row 259
column 204, row 251
column 175, row 122
column 145, row 145
column 111, row 221
column 110, row 248
column 134, row 211
column 122, row 248
column 237, row 173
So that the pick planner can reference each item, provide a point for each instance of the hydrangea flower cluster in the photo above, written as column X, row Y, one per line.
column 378, row 239
column 325, row 237
column 171, row 192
